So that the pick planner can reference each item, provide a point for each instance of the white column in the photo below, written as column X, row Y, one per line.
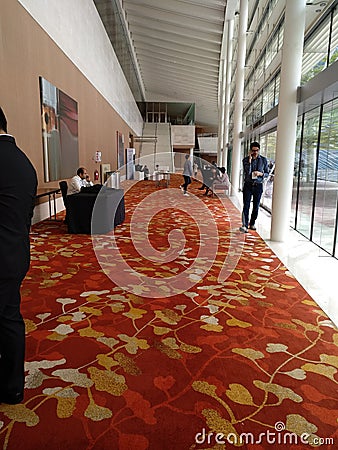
column 291, row 67
column 238, row 97
column 221, row 111
column 221, row 98
column 229, row 50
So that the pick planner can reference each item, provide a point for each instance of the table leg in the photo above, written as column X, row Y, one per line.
column 51, row 214
column 54, row 200
column 50, row 207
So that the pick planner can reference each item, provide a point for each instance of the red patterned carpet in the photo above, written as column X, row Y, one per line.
column 174, row 332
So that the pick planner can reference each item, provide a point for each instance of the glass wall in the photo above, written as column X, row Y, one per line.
column 306, row 172
column 315, row 194
column 296, row 174
column 327, row 183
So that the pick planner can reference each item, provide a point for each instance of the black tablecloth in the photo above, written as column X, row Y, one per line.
column 106, row 209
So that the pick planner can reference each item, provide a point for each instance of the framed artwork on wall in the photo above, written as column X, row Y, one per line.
column 105, row 168
column 59, row 119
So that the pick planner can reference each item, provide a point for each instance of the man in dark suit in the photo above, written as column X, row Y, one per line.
column 255, row 170
column 18, row 183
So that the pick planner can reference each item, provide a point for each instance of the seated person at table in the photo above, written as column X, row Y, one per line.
column 80, row 180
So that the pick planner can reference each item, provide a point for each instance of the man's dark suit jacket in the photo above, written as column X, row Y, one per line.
column 18, row 183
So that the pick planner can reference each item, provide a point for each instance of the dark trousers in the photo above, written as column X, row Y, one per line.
column 254, row 191
column 12, row 338
column 187, row 180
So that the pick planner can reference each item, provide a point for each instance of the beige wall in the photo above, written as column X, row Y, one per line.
column 183, row 136
column 27, row 52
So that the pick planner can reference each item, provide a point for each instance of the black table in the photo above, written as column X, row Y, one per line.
column 96, row 213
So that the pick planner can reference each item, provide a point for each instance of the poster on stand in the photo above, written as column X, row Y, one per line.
column 130, row 166
column 120, row 150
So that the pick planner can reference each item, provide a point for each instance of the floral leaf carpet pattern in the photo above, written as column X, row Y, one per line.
column 244, row 360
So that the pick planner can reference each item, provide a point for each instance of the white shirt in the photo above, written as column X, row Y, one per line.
column 76, row 183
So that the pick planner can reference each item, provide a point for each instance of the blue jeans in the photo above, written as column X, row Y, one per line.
column 254, row 191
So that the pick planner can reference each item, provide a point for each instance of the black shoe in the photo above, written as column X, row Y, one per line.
column 11, row 399
column 252, row 227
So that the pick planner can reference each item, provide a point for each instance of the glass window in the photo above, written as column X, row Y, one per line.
column 268, row 149
column 334, row 38
column 268, row 55
column 248, row 91
column 281, row 36
column 327, row 180
column 259, row 72
column 315, row 52
column 257, row 108
column 269, row 97
column 277, row 88
column 271, row 50
column 262, row 17
column 307, row 172
column 248, row 116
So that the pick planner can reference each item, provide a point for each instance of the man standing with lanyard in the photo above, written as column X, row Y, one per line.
column 255, row 169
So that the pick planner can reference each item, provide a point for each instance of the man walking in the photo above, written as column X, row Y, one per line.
column 187, row 174
column 18, row 184
column 255, row 169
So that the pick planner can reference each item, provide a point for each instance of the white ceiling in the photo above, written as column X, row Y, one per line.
column 177, row 45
